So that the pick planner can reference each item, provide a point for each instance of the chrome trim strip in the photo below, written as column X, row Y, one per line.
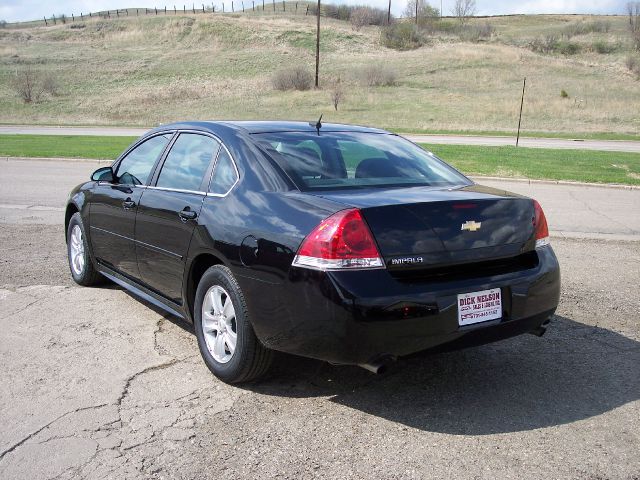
column 158, row 249
column 179, row 190
column 235, row 167
column 110, row 232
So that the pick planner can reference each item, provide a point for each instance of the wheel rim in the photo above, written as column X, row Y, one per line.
column 219, row 324
column 76, row 250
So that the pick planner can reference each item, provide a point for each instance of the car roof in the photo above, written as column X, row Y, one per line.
column 264, row 126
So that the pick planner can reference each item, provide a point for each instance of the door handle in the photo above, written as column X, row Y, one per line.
column 187, row 214
column 128, row 204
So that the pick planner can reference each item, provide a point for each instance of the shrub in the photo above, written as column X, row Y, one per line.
column 631, row 63
column 28, row 85
column 296, row 78
column 402, row 36
column 603, row 47
column 568, row 48
column 363, row 16
column 3, row 23
column 336, row 94
column 564, row 94
column 376, row 76
column 547, row 44
column 584, row 28
column 475, row 33
column 77, row 25
column 551, row 44
column 50, row 85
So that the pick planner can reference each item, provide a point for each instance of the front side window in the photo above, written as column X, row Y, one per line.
column 224, row 175
column 336, row 160
column 135, row 168
column 187, row 162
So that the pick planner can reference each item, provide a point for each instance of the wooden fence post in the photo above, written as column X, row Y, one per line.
column 54, row 20
column 284, row 6
column 274, row 6
column 45, row 22
column 232, row 7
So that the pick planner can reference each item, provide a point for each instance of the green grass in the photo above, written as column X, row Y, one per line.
column 62, row 146
column 529, row 134
column 543, row 164
column 573, row 165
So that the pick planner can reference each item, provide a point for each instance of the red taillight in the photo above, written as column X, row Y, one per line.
column 341, row 241
column 540, row 225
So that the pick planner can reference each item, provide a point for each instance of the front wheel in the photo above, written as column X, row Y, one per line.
column 226, row 339
column 80, row 264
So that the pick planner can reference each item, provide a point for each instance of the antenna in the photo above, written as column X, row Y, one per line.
column 317, row 125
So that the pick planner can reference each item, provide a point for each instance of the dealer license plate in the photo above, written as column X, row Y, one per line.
column 476, row 307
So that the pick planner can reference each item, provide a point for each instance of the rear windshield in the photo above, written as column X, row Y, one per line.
column 337, row 160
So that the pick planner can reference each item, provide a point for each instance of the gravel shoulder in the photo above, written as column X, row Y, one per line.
column 99, row 385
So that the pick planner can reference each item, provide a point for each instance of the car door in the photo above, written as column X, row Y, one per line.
column 168, row 212
column 113, row 206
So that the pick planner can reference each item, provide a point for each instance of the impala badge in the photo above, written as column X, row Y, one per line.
column 471, row 225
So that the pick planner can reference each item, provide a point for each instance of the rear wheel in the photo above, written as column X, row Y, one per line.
column 80, row 264
column 226, row 339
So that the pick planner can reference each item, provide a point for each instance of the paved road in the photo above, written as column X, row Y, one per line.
column 97, row 385
column 608, row 145
column 34, row 191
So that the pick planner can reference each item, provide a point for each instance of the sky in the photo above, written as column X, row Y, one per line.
column 20, row 10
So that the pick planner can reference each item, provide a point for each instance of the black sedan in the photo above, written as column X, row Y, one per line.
column 336, row 242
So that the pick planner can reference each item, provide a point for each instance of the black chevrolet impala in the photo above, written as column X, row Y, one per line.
column 341, row 243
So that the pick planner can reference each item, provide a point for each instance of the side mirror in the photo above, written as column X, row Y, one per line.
column 103, row 174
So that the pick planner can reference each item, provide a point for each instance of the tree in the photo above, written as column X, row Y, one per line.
column 424, row 10
column 3, row 23
column 336, row 94
column 28, row 85
column 463, row 9
column 633, row 9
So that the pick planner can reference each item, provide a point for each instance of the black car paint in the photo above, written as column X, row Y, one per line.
column 255, row 230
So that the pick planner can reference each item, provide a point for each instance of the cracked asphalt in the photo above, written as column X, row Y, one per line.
column 96, row 384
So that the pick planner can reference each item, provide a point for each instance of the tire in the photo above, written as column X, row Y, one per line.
column 79, row 255
column 248, row 359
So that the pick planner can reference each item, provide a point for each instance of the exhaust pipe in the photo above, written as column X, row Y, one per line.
column 379, row 365
column 541, row 330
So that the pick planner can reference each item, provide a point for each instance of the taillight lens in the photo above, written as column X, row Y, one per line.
column 342, row 241
column 540, row 226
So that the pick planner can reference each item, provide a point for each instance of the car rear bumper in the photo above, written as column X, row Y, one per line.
column 356, row 316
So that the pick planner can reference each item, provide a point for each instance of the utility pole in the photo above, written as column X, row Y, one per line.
column 440, row 9
column 524, row 85
column 389, row 14
column 318, row 44
column 417, row 3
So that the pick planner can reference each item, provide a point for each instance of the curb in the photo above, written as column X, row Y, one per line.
column 61, row 159
column 568, row 183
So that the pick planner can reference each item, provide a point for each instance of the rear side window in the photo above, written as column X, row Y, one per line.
column 225, row 175
column 335, row 160
column 135, row 168
column 187, row 162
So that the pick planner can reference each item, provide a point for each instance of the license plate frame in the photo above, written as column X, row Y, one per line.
column 479, row 307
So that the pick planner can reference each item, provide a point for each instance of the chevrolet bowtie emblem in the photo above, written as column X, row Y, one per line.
column 471, row 225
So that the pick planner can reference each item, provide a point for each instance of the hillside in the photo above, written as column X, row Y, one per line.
column 148, row 70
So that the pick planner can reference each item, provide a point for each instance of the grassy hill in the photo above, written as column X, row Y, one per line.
column 153, row 69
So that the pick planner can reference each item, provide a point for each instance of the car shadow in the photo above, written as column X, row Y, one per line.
column 573, row 373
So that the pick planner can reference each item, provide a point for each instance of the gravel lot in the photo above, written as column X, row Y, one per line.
column 99, row 385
